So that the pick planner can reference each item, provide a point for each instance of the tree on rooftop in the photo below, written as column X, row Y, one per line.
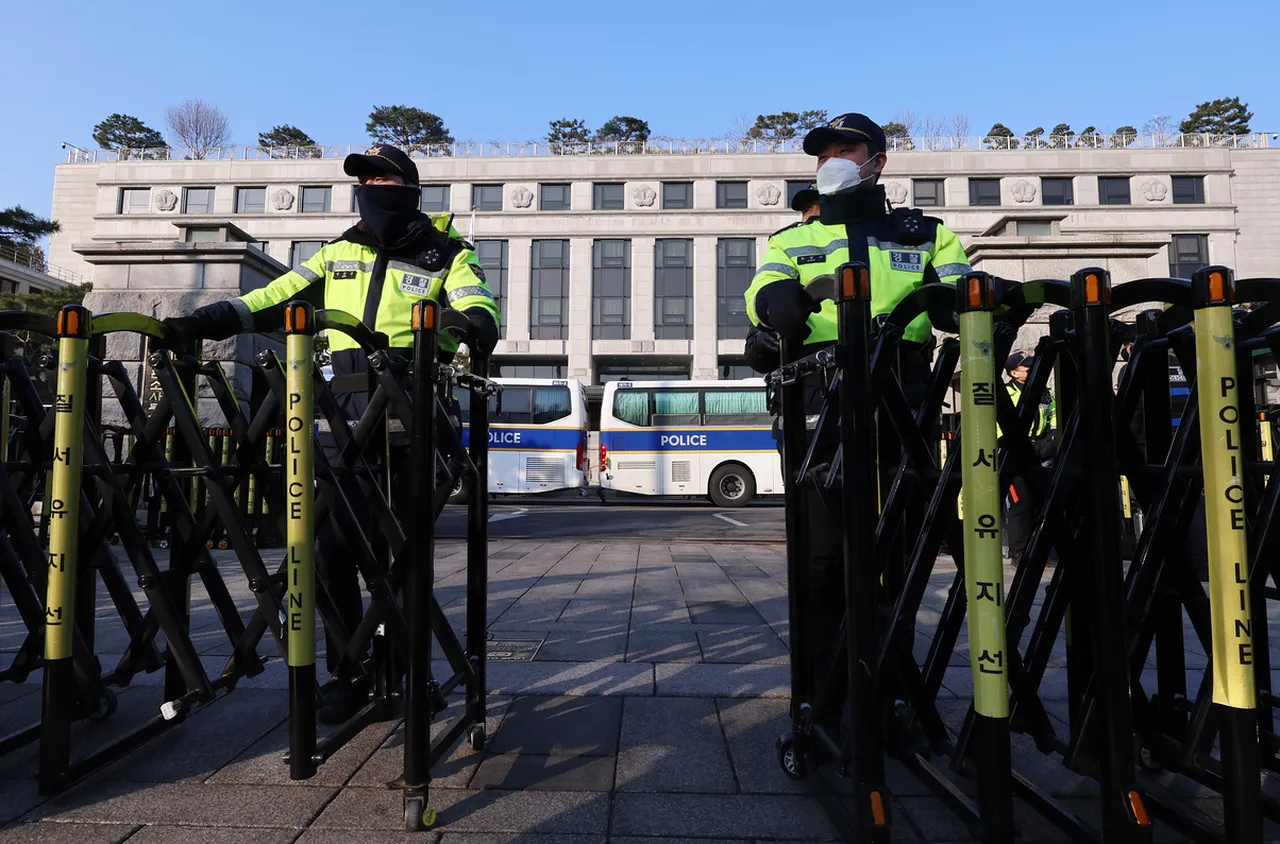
column 129, row 136
column 1000, row 136
column 288, row 141
column 1224, row 116
column 564, row 133
column 408, row 128
column 201, row 126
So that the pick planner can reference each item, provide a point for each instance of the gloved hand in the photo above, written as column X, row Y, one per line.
column 761, row 350
column 484, row 331
column 785, row 306
column 184, row 330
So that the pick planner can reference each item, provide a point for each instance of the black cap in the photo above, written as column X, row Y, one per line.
column 805, row 198
column 1016, row 360
column 381, row 159
column 847, row 127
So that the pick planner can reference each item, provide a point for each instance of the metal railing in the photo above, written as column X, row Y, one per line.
column 35, row 261
column 675, row 146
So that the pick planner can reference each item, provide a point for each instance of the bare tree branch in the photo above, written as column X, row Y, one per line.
column 909, row 119
column 200, row 126
column 960, row 128
column 934, row 129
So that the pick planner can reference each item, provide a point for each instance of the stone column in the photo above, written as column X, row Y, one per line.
column 642, row 288
column 578, row 346
column 172, row 278
column 704, row 308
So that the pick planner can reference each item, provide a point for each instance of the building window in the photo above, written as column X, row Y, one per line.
column 204, row 236
column 928, row 192
column 251, row 200
column 672, row 289
column 730, row 195
column 611, row 290
column 1188, row 253
column 197, row 201
column 1057, row 191
column 735, row 267
column 677, row 194
column 1035, row 228
column 1188, row 190
column 733, row 369
column 548, row 319
column 135, row 200
column 1113, row 190
column 435, row 199
column 553, row 198
column 984, row 191
column 634, row 370
column 607, row 196
column 315, row 200
column 486, row 197
column 528, row 369
column 493, row 257
column 794, row 188
column 302, row 251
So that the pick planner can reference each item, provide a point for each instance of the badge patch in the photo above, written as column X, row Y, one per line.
column 415, row 285
column 344, row 274
column 811, row 259
column 479, row 271
column 907, row 262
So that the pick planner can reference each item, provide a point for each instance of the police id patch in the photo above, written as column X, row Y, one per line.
column 810, row 259
column 415, row 285
column 907, row 262
column 479, row 272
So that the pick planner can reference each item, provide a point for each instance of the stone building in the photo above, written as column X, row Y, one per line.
column 631, row 260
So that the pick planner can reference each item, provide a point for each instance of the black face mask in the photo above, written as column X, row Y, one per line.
column 388, row 210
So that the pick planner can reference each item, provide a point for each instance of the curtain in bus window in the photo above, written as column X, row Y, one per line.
column 549, row 404
column 668, row 403
column 632, row 407
column 736, row 402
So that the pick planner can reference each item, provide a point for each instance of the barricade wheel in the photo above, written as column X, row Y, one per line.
column 417, row 816
column 476, row 737
column 788, row 759
column 104, row 706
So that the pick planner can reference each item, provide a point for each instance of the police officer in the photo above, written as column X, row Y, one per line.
column 1020, row 512
column 761, row 349
column 376, row 270
column 903, row 250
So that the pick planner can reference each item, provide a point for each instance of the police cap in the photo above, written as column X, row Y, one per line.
column 381, row 160
column 805, row 198
column 847, row 127
column 1016, row 360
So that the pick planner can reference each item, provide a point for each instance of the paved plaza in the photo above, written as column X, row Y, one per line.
column 640, row 697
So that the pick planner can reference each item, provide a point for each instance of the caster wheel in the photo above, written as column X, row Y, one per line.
column 476, row 737
column 788, row 759
column 417, row 816
column 105, row 706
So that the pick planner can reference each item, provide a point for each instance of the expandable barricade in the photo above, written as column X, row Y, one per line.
column 1131, row 720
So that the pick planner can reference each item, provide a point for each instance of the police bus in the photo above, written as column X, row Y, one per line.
column 537, row 436
column 689, row 438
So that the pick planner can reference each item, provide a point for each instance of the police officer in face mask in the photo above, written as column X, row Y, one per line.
column 395, row 256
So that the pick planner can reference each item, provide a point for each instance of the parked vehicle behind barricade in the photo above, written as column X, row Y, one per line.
column 689, row 438
column 537, row 436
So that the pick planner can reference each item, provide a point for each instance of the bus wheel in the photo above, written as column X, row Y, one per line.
column 731, row 485
column 460, row 493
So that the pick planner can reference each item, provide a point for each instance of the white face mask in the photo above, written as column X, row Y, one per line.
column 839, row 174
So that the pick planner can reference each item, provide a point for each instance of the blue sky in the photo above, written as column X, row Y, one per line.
column 502, row 70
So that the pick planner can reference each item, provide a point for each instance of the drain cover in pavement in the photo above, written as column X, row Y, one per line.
column 513, row 650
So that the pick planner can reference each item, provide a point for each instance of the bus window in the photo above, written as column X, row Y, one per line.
column 550, row 404
column 675, row 407
column 463, row 398
column 513, row 405
column 632, row 407
column 743, row 408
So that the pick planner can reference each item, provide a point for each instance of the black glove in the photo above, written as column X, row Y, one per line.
column 762, row 352
column 184, row 331
column 785, row 306
column 484, row 331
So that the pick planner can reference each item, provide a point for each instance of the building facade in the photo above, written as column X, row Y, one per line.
column 614, row 263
